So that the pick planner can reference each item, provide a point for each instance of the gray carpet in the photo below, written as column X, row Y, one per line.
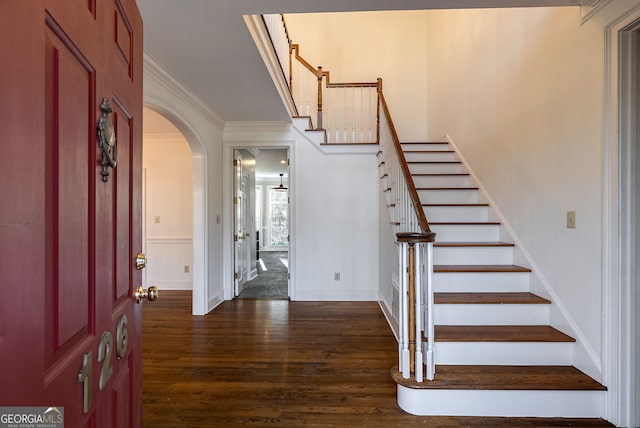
column 271, row 283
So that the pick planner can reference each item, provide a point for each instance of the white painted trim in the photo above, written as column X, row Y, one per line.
column 264, row 45
column 393, row 324
column 246, row 137
column 153, row 71
column 510, row 403
column 169, row 239
column 585, row 358
column 256, row 126
column 618, row 331
column 331, row 149
column 589, row 8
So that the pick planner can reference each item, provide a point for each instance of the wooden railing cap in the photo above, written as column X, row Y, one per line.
column 415, row 237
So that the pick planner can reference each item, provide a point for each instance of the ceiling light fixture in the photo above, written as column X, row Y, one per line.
column 281, row 187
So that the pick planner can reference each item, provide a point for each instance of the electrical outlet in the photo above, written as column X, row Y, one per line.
column 156, row 219
column 336, row 276
column 571, row 219
column 218, row 219
column 186, row 268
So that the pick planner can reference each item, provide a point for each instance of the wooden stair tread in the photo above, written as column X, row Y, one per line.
column 473, row 244
column 539, row 378
column 517, row 298
column 480, row 268
column 500, row 333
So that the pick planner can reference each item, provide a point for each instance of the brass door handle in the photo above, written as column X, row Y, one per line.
column 151, row 293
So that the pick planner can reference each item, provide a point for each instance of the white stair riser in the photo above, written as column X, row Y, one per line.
column 467, row 233
column 426, row 147
column 474, row 282
column 436, row 168
column 454, row 214
column 473, row 255
column 478, row 314
column 560, row 404
column 430, row 156
column 504, row 353
column 448, row 196
column 441, row 180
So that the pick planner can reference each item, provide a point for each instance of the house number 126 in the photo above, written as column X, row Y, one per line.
column 105, row 351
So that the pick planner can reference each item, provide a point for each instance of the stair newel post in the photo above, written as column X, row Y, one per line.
column 319, row 76
column 415, row 269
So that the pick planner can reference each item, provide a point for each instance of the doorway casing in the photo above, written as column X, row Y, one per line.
column 620, row 220
column 228, row 207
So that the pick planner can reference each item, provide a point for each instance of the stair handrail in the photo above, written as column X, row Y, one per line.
column 415, row 238
column 278, row 33
column 350, row 121
column 411, row 187
column 415, row 254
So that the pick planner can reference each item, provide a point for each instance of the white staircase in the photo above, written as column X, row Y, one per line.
column 496, row 354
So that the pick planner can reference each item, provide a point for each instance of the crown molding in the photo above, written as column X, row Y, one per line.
column 256, row 126
column 153, row 69
column 588, row 8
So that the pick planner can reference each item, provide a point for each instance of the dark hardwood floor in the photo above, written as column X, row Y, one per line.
column 277, row 363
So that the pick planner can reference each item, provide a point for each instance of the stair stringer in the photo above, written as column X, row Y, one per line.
column 584, row 356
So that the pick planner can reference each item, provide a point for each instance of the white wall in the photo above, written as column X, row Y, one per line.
column 362, row 46
column 521, row 92
column 168, row 210
column 334, row 215
column 203, row 132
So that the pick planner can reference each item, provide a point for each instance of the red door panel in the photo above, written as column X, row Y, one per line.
column 70, row 330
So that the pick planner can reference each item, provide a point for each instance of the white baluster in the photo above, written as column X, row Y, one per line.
column 431, row 364
column 419, row 369
column 406, row 360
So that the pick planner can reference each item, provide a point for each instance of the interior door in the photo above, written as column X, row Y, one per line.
column 70, row 227
column 240, row 225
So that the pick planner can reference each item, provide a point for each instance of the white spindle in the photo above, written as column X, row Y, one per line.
column 431, row 363
column 361, row 114
column 419, row 369
column 406, row 359
column 327, row 114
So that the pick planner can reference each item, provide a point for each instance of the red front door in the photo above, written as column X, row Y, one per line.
column 70, row 330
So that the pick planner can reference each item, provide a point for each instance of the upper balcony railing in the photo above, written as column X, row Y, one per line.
column 356, row 113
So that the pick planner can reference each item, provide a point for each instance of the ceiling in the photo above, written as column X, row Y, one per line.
column 205, row 45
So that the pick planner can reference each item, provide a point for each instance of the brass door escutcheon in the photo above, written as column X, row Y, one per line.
column 141, row 261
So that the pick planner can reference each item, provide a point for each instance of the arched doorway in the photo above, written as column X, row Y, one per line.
column 198, row 267
column 167, row 204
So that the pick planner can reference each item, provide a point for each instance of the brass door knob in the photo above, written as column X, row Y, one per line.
column 151, row 294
